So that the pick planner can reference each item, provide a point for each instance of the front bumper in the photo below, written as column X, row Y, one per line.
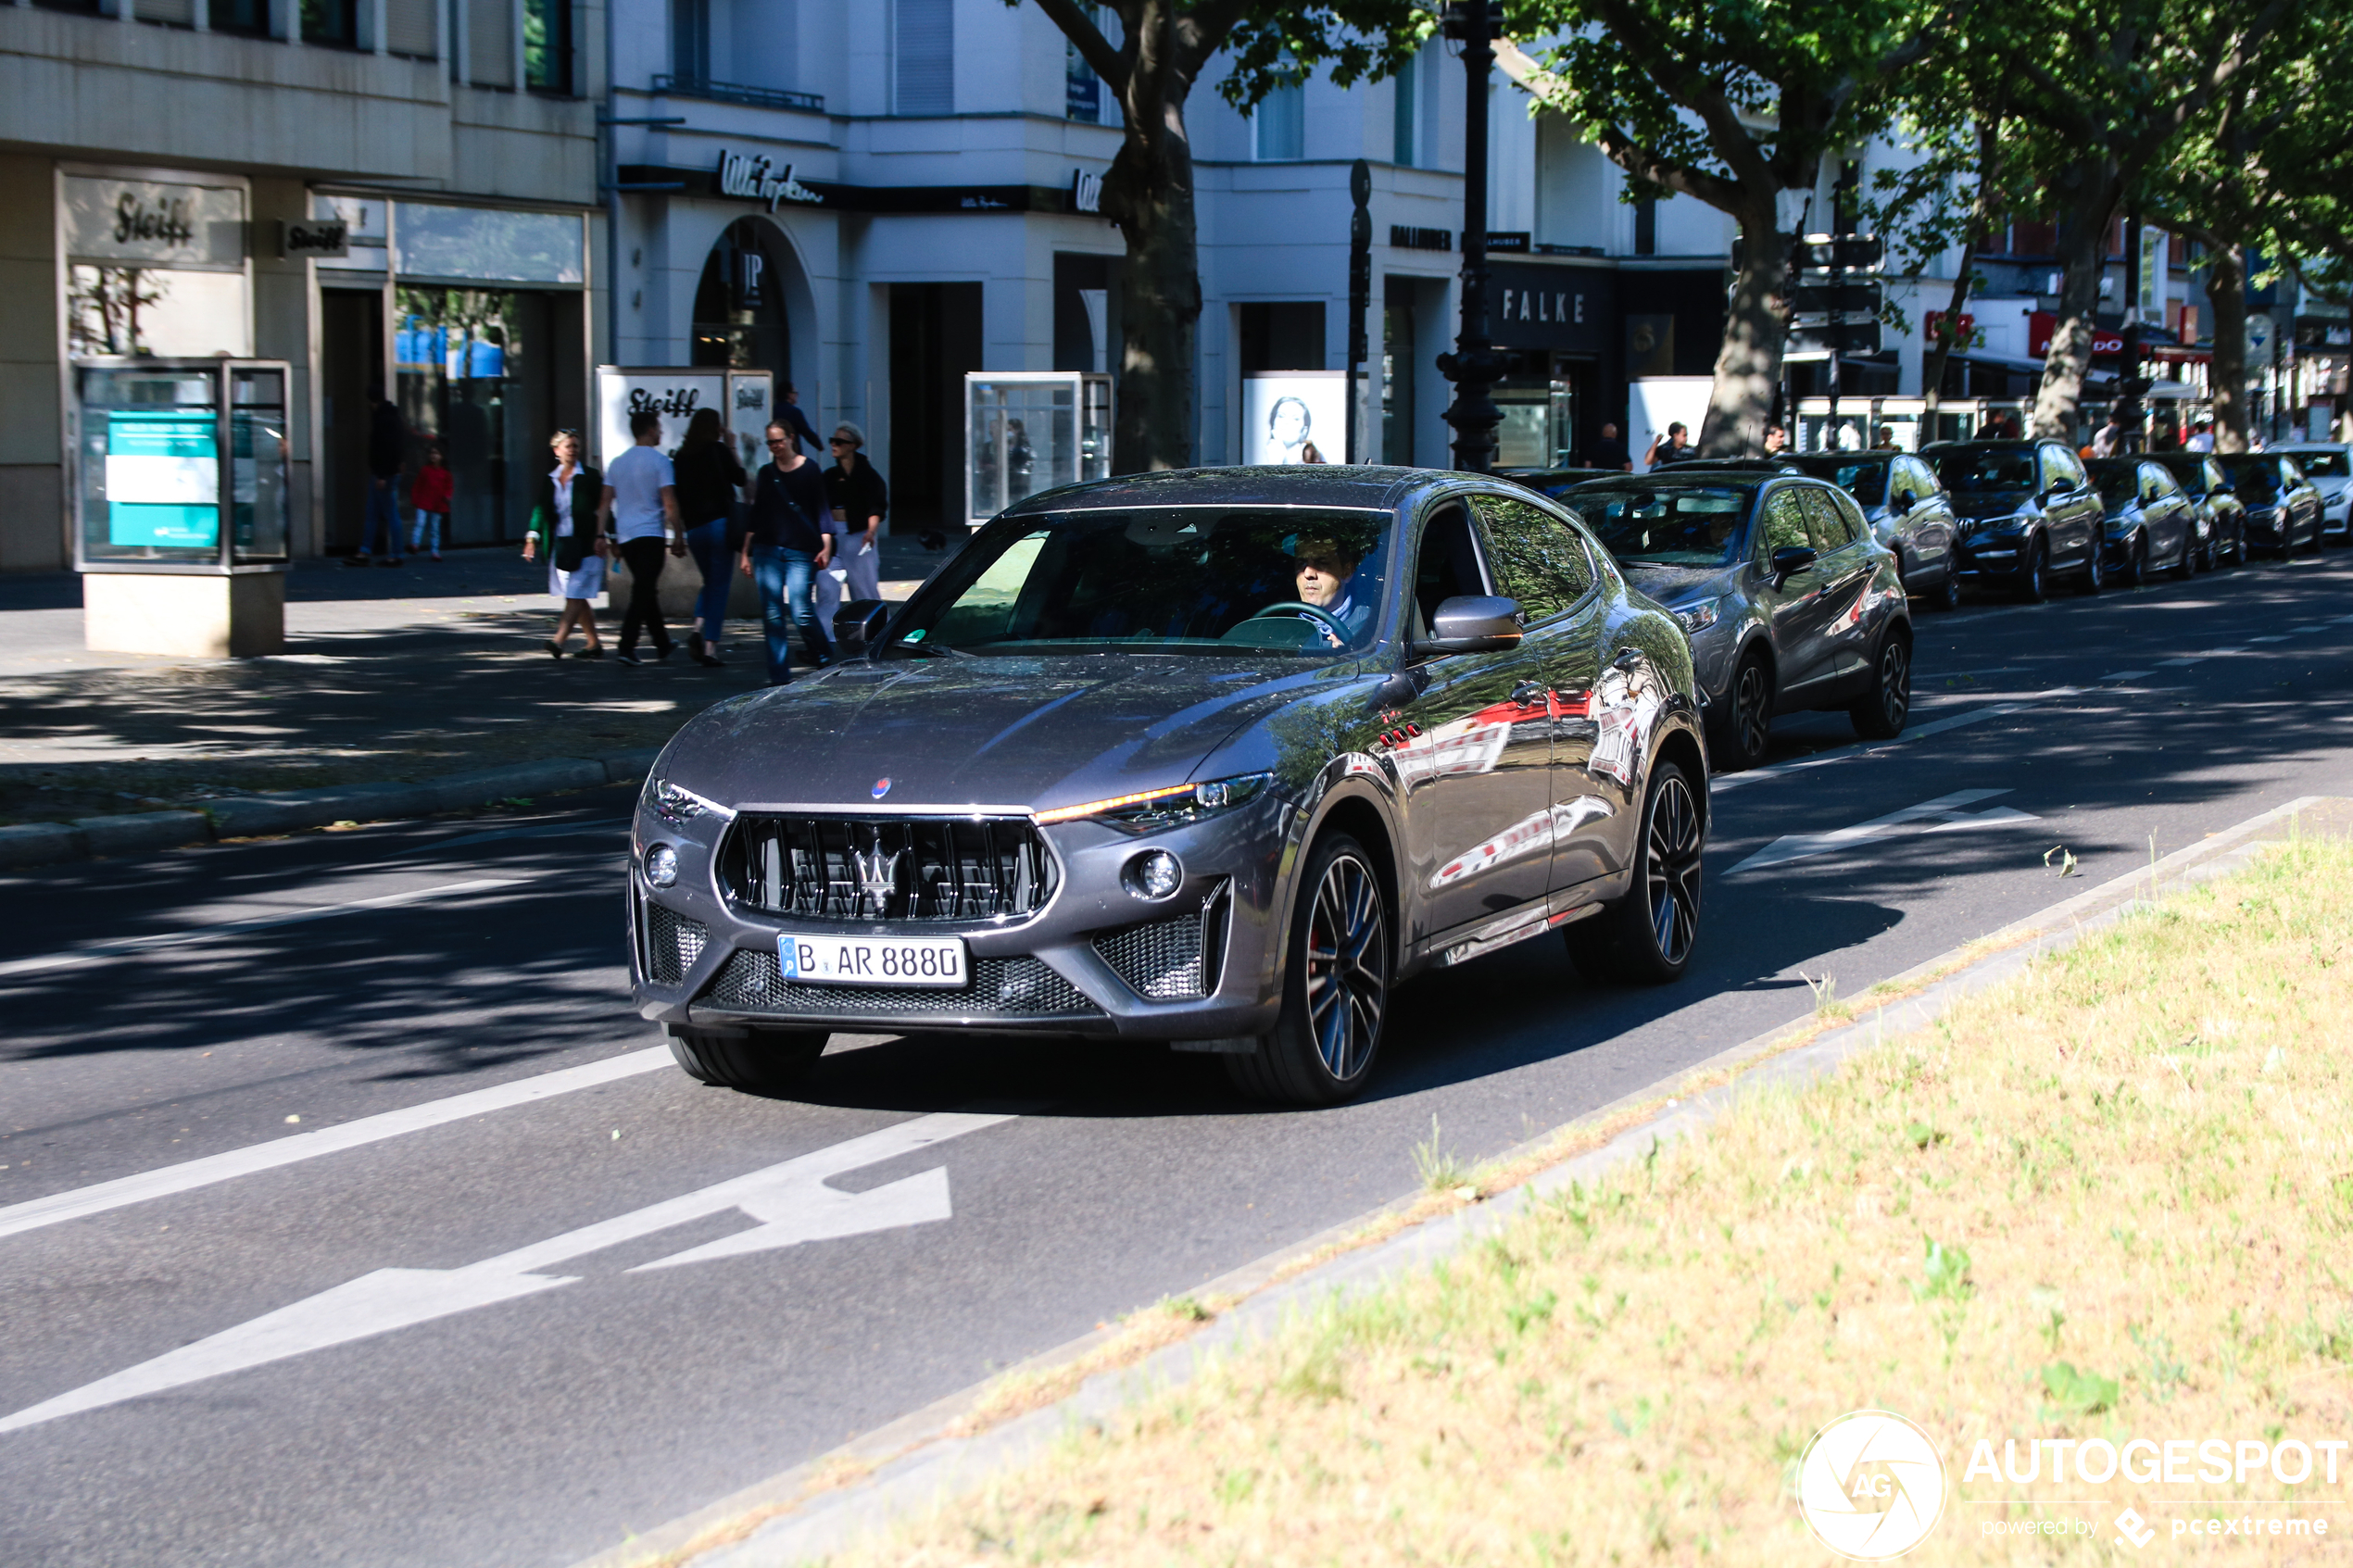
column 1201, row 965
column 1992, row 556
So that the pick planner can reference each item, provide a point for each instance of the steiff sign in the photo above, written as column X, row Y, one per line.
column 754, row 177
column 155, row 223
column 325, row 238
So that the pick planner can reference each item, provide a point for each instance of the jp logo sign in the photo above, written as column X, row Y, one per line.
column 1871, row 1486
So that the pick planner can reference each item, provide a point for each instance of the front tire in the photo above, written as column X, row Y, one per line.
column 758, row 1061
column 1646, row 938
column 1881, row 715
column 2095, row 576
column 1947, row 596
column 2033, row 577
column 1336, row 979
column 2136, row 566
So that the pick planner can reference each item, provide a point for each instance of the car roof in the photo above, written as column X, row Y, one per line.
column 2017, row 443
column 1352, row 486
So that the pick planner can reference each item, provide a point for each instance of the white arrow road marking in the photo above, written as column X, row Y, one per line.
column 96, row 950
column 1943, row 814
column 791, row 1201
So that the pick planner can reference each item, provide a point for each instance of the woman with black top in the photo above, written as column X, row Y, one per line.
column 568, row 522
column 788, row 540
column 709, row 477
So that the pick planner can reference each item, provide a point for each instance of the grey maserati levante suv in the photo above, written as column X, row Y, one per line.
column 1211, row 757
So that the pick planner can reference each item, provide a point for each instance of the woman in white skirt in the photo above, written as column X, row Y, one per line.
column 570, row 522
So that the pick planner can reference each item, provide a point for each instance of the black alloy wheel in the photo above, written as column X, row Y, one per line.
column 1646, row 938
column 1335, row 985
column 756, row 1061
column 1881, row 715
column 2095, row 576
column 2033, row 573
column 1739, row 738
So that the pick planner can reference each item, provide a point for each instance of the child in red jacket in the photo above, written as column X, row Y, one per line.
column 429, row 496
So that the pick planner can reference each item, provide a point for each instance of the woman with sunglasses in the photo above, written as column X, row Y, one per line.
column 569, row 523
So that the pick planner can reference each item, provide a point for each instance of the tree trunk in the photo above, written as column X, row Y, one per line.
column 1940, row 353
column 2083, row 234
column 1149, row 193
column 1748, row 368
column 2226, row 288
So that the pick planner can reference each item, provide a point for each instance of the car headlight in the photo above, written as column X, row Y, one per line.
column 1151, row 810
column 1699, row 616
column 678, row 805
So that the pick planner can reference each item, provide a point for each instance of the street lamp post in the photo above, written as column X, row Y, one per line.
column 1474, row 366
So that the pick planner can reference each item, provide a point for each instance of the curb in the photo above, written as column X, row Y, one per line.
column 914, row 1461
column 285, row 812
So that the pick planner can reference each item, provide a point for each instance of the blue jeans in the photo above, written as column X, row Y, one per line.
column 383, row 515
column 708, row 544
column 785, row 577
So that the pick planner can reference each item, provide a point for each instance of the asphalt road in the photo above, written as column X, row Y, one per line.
column 462, row 1357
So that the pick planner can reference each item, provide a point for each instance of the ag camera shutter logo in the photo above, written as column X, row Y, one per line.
column 1871, row 1486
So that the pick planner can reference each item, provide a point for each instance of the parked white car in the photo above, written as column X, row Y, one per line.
column 2329, row 465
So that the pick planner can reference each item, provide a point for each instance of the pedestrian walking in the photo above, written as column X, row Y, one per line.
column 709, row 477
column 2107, row 441
column 387, row 451
column 1776, row 440
column 860, row 501
column 2202, row 440
column 795, row 422
column 1672, row 447
column 786, row 542
column 641, row 489
column 428, row 500
column 569, row 523
column 1610, row 452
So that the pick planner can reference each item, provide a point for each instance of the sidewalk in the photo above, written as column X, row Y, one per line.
column 389, row 675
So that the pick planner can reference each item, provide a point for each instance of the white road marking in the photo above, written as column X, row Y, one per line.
column 1920, row 732
column 2197, row 658
column 190, row 1175
column 92, row 952
column 2125, row 675
column 1943, row 814
column 2274, row 639
column 791, row 1201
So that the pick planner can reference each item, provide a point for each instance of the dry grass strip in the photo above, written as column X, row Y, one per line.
column 2111, row 1199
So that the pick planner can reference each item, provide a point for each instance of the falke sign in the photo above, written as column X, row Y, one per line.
column 1532, row 305
column 754, row 177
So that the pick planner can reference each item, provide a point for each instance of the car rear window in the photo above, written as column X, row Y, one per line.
column 1973, row 468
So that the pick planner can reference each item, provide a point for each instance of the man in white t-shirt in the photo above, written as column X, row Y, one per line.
column 642, row 494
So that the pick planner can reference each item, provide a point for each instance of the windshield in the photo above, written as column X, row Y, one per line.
column 2190, row 476
column 2256, row 479
column 1985, row 468
column 1666, row 525
column 2321, row 465
column 2118, row 480
column 1167, row 579
column 1865, row 480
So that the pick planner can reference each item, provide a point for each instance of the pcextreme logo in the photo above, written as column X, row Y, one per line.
column 1871, row 1486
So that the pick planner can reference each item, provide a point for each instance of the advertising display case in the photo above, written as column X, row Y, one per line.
column 1029, row 431
column 182, row 502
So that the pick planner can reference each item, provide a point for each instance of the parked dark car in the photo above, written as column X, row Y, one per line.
column 2329, row 465
column 2222, row 517
column 1215, row 757
column 1908, row 510
column 1789, row 601
column 1552, row 482
column 2151, row 525
column 2282, row 506
column 2027, row 511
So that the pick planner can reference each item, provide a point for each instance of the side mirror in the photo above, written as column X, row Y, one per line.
column 1472, row 623
column 858, row 626
column 1790, row 560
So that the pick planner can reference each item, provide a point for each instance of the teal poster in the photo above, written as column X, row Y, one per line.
column 163, row 479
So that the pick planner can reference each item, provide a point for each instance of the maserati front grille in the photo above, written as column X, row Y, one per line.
column 887, row 868
column 673, row 944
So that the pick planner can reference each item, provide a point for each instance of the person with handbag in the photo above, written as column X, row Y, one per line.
column 788, row 538
column 568, row 523
column 709, row 477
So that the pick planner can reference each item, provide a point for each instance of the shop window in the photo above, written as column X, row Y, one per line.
column 739, row 305
column 473, row 374
column 923, row 61
column 156, row 266
column 546, row 45
column 251, row 17
column 1280, row 125
column 332, row 24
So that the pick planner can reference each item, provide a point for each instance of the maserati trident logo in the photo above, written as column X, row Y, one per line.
column 877, row 878
column 881, row 787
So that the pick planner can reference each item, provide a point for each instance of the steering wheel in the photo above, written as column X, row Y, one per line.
column 1337, row 631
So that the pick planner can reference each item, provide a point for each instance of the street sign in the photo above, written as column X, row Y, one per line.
column 1848, row 253
column 1853, row 337
column 1861, row 298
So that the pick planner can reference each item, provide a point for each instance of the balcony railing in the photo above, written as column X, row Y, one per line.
column 736, row 92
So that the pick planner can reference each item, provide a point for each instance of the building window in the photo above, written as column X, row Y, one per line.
column 690, row 40
column 410, row 27
column 546, row 45
column 490, row 43
column 1405, row 107
column 1082, row 89
column 1397, row 371
column 251, row 17
column 1646, row 226
column 1280, row 124
column 923, row 61
column 335, row 23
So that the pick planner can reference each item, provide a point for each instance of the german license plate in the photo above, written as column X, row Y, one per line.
column 872, row 961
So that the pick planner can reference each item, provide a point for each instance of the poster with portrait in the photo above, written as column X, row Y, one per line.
column 1295, row 416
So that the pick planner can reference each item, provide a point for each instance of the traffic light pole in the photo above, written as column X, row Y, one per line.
column 1473, row 365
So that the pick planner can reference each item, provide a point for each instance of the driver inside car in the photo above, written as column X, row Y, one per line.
column 1325, row 569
